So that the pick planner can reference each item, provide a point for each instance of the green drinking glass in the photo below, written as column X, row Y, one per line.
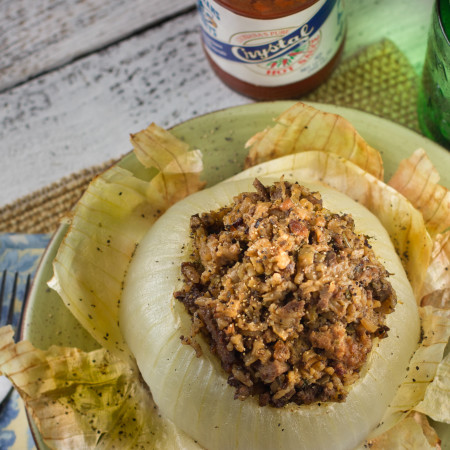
column 434, row 92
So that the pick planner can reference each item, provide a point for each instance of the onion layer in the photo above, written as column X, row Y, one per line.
column 193, row 392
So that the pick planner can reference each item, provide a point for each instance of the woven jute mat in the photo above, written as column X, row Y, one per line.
column 378, row 80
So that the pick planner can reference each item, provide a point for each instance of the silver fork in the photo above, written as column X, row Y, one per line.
column 9, row 300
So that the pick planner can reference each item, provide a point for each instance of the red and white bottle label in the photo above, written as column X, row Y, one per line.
column 272, row 52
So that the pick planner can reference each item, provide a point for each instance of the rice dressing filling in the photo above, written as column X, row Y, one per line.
column 289, row 296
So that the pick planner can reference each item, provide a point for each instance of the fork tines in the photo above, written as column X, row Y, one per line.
column 9, row 298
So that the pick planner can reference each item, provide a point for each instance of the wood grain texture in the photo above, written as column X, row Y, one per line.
column 36, row 36
column 81, row 114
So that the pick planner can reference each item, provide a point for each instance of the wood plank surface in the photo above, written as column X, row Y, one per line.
column 81, row 114
column 37, row 36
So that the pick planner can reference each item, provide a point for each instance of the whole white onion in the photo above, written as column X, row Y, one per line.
column 193, row 392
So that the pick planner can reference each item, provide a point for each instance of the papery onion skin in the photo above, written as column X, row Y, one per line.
column 193, row 392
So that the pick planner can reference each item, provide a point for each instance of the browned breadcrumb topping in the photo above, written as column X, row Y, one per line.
column 289, row 296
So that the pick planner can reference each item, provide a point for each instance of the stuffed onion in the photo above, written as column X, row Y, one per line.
column 193, row 392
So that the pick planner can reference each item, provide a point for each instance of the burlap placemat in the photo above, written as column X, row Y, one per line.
column 378, row 80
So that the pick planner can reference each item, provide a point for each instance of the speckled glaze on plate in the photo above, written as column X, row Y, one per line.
column 221, row 136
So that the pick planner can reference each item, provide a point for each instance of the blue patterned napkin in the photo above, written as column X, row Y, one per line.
column 18, row 253
column 22, row 252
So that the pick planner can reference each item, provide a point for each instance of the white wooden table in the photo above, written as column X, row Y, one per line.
column 77, row 77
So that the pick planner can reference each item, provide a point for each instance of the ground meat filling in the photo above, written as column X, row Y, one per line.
column 288, row 295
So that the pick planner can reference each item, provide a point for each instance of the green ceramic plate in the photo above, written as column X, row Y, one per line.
column 221, row 136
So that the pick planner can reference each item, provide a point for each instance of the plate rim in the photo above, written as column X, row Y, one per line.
column 282, row 105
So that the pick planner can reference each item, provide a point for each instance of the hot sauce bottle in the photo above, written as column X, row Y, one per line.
column 272, row 49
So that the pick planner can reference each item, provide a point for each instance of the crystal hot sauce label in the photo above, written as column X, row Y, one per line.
column 272, row 52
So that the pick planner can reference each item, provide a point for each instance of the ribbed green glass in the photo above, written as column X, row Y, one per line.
column 444, row 6
column 434, row 93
